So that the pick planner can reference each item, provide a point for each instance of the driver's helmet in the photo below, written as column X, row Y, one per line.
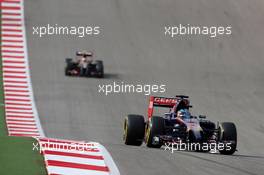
column 183, row 114
column 79, row 53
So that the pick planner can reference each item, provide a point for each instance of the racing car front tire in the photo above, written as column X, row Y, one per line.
column 154, row 128
column 228, row 132
column 134, row 130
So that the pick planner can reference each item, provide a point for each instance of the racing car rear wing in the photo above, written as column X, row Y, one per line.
column 161, row 102
column 165, row 102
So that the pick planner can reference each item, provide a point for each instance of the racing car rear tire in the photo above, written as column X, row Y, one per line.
column 99, row 68
column 67, row 69
column 154, row 128
column 68, row 60
column 69, row 66
column 228, row 132
column 134, row 130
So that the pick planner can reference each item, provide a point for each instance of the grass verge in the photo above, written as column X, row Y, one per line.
column 18, row 157
column 16, row 153
column 3, row 130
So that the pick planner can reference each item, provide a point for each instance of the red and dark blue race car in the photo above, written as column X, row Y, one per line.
column 84, row 65
column 179, row 126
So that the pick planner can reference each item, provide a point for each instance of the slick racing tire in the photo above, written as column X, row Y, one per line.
column 228, row 133
column 68, row 68
column 68, row 60
column 154, row 128
column 99, row 68
column 134, row 130
column 67, row 73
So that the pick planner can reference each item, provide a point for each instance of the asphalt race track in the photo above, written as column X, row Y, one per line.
column 224, row 76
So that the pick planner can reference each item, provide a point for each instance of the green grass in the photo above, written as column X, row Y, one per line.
column 16, row 153
column 3, row 130
column 17, row 157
